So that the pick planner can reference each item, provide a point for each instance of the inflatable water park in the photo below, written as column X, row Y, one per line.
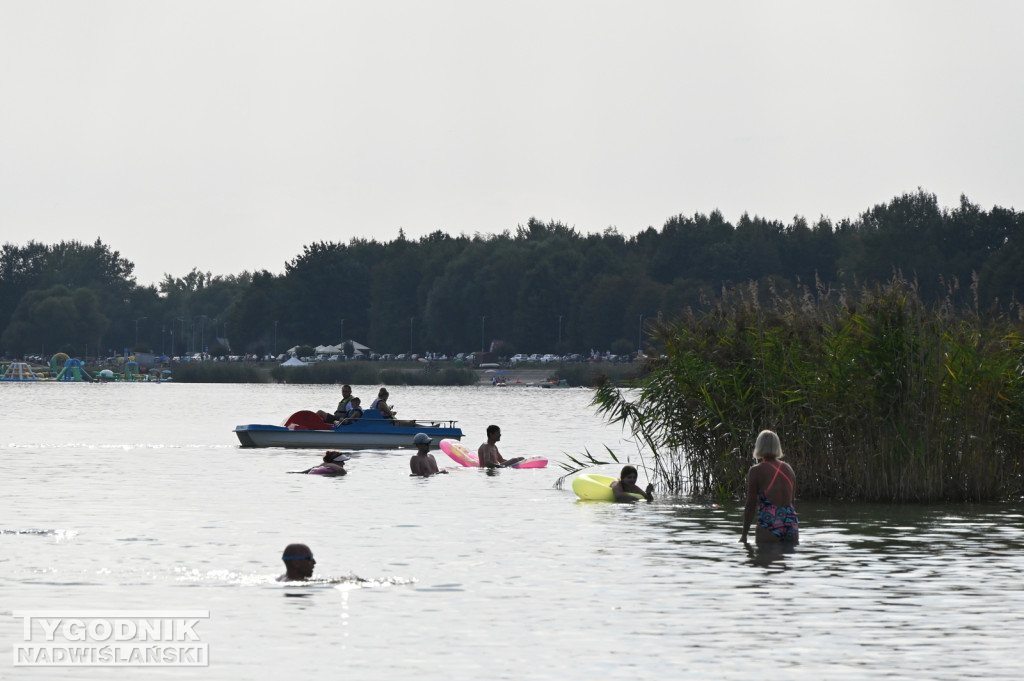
column 66, row 369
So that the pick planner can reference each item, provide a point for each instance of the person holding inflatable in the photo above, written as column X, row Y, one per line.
column 422, row 462
column 488, row 454
column 625, row 487
column 298, row 563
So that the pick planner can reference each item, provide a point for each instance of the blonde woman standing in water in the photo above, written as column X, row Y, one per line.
column 771, row 485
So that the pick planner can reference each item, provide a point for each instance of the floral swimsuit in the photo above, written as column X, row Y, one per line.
column 782, row 521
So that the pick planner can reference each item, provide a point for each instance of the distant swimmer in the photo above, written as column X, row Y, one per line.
column 334, row 464
column 625, row 487
column 422, row 462
column 298, row 563
column 488, row 454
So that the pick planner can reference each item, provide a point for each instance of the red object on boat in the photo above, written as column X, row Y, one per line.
column 306, row 420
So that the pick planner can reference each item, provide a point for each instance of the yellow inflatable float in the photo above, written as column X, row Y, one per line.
column 594, row 487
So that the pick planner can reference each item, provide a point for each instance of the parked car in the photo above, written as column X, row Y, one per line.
column 550, row 358
column 519, row 358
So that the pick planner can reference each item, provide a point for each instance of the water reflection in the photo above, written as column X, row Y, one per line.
column 769, row 555
column 873, row 590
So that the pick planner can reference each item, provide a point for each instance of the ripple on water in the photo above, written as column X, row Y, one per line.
column 513, row 579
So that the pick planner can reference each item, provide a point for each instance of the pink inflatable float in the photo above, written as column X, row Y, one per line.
column 466, row 457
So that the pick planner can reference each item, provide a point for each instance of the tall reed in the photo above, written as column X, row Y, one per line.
column 876, row 396
column 367, row 373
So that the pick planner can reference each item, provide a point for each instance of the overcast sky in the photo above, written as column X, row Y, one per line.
column 225, row 135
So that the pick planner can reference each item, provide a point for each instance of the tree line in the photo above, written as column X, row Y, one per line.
column 542, row 287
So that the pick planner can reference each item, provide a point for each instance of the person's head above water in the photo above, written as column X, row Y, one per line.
column 298, row 563
column 336, row 457
column 422, row 441
column 767, row 446
column 629, row 472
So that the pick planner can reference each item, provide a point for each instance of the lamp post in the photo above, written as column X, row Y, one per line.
column 559, row 332
column 410, row 334
column 183, row 336
column 137, row 331
column 343, row 331
column 202, row 334
column 483, row 347
column 640, row 337
column 275, row 337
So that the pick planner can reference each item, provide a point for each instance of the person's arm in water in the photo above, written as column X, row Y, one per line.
column 489, row 456
column 624, row 491
column 424, row 465
column 432, row 465
column 751, row 507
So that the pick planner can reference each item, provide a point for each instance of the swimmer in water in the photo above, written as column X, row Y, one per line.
column 625, row 487
column 334, row 464
column 422, row 462
column 298, row 563
column 489, row 456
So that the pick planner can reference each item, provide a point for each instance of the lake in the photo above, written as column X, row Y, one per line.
column 136, row 497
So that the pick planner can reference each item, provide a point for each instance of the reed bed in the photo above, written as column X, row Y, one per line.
column 367, row 373
column 589, row 375
column 220, row 372
column 876, row 396
column 356, row 373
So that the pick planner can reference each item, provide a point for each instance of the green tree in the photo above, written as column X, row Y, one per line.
column 55, row 319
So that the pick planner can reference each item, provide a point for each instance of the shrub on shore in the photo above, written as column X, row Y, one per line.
column 219, row 372
column 589, row 375
column 876, row 396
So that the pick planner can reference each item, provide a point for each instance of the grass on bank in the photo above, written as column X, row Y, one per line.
column 363, row 373
column 388, row 373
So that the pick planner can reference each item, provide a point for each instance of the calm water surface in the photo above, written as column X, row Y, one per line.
column 136, row 497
